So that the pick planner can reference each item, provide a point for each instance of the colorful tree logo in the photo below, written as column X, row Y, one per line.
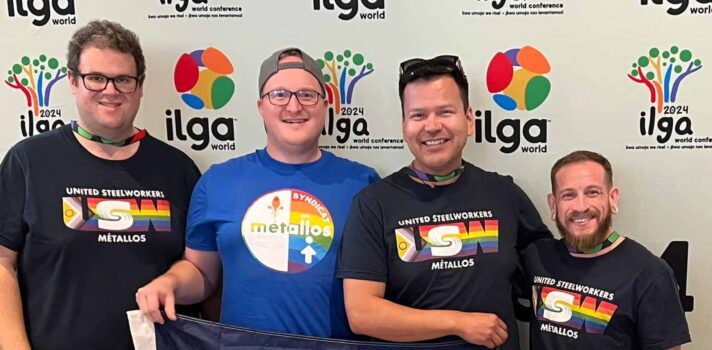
column 339, row 69
column 663, row 87
column 525, row 88
column 40, row 75
column 201, row 78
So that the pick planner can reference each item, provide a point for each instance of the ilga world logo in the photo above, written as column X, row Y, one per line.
column 497, row 4
column 341, row 73
column 182, row 5
column 198, row 9
column 518, row 8
column 365, row 9
column 662, row 73
column 522, row 4
column 677, row 7
column 35, row 78
column 516, row 79
column 288, row 230
column 42, row 11
column 202, row 79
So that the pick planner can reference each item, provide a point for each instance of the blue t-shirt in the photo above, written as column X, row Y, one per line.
column 278, row 230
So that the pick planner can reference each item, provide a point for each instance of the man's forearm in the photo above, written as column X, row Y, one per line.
column 371, row 314
column 191, row 286
column 12, row 326
column 387, row 320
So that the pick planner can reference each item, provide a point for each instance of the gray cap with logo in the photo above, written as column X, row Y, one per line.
column 271, row 66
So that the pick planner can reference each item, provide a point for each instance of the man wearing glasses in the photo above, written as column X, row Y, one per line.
column 91, row 211
column 430, row 251
column 272, row 218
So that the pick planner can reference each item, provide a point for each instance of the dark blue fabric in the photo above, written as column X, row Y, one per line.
column 190, row 333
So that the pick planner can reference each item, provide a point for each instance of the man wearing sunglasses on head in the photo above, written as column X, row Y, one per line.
column 430, row 251
column 272, row 218
column 91, row 211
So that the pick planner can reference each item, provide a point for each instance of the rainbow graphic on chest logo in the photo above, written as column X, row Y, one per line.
column 288, row 230
column 567, row 309
column 116, row 214
column 447, row 240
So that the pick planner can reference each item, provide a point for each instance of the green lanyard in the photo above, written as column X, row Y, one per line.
column 605, row 244
column 89, row 136
column 432, row 178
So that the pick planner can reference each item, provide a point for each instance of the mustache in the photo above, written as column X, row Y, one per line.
column 587, row 242
column 588, row 211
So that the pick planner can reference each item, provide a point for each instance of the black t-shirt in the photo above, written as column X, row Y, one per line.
column 89, row 233
column 624, row 299
column 452, row 247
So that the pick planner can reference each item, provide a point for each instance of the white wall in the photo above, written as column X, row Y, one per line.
column 591, row 47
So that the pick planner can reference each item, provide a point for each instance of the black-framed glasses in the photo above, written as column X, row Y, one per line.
column 415, row 68
column 98, row 82
column 281, row 97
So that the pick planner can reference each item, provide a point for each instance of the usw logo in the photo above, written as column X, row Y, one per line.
column 116, row 214
column 428, row 242
column 567, row 309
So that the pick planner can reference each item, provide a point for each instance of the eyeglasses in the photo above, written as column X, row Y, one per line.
column 98, row 82
column 415, row 68
column 281, row 97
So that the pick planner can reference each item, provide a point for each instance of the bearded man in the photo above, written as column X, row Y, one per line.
column 595, row 288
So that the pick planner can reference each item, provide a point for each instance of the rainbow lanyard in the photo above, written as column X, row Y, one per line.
column 432, row 178
column 605, row 244
column 89, row 136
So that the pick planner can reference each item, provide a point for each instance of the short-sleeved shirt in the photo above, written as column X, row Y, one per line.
column 624, row 299
column 278, row 228
column 89, row 232
column 453, row 247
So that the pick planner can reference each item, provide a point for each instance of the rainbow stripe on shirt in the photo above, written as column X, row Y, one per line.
column 567, row 309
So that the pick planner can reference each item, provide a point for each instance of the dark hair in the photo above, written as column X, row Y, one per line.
column 428, row 70
column 105, row 34
column 582, row 156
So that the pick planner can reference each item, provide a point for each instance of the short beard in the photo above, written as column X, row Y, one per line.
column 588, row 242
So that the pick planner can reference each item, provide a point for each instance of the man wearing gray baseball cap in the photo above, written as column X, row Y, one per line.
column 272, row 218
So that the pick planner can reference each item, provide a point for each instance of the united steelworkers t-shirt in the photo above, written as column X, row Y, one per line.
column 452, row 247
column 624, row 299
column 89, row 232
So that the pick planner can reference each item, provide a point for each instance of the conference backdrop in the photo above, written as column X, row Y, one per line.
column 625, row 78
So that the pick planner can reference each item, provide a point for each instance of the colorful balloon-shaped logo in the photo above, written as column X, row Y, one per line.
column 202, row 79
column 516, row 78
